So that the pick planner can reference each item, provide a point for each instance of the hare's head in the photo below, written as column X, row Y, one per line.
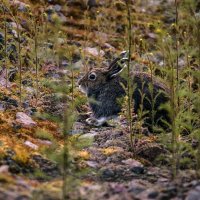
column 96, row 78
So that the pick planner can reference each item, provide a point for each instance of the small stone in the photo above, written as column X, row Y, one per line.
column 31, row 145
column 193, row 194
column 20, row 5
column 4, row 169
column 137, row 170
column 94, row 51
column 78, row 65
column 107, row 173
column 92, row 164
column 2, row 107
column 89, row 135
column 134, row 166
column 10, row 101
column 45, row 142
column 153, row 195
column 91, row 3
column 152, row 35
column 57, row 8
column 24, row 120
column 3, row 83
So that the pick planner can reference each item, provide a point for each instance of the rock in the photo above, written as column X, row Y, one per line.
column 138, row 186
column 2, row 107
column 92, row 164
column 94, row 51
column 107, row 174
column 24, row 120
column 153, row 194
column 135, row 166
column 57, row 8
column 30, row 90
column 91, row 3
column 45, row 142
column 77, row 65
column 62, row 18
column 4, row 169
column 3, row 82
column 54, row 14
column 132, row 162
column 31, row 145
column 15, row 26
column 194, row 194
column 89, row 135
column 152, row 35
column 9, row 102
column 137, row 170
column 23, row 7
column 169, row 192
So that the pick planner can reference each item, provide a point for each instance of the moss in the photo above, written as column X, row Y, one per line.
column 44, row 135
column 21, row 155
column 39, row 175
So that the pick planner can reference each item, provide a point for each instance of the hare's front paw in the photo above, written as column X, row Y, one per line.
column 95, row 122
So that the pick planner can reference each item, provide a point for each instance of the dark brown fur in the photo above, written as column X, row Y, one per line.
column 107, row 88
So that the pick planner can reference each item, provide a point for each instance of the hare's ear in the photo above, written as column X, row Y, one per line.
column 123, row 54
column 116, row 68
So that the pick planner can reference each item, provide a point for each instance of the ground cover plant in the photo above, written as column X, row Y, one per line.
column 53, row 146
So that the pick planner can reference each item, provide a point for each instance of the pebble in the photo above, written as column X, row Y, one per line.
column 89, row 135
column 4, row 169
column 31, row 145
column 24, row 120
column 153, row 194
column 194, row 194
column 45, row 142
column 134, row 166
column 92, row 164
column 94, row 51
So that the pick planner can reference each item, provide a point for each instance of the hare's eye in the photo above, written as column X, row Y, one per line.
column 92, row 76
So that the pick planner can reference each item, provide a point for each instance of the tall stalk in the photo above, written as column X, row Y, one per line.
column 5, row 43
column 172, row 103
column 173, row 118
column 129, row 81
column 65, row 152
column 152, row 100
column 36, row 59
column 177, row 49
column 197, row 21
column 19, row 63
column 72, row 82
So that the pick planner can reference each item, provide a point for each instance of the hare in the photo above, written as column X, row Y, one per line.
column 105, row 86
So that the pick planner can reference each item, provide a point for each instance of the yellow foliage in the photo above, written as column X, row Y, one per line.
column 22, row 154
column 5, row 178
column 84, row 155
column 2, row 153
column 110, row 150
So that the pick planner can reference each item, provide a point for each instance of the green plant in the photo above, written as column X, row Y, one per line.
column 44, row 135
column 129, row 79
